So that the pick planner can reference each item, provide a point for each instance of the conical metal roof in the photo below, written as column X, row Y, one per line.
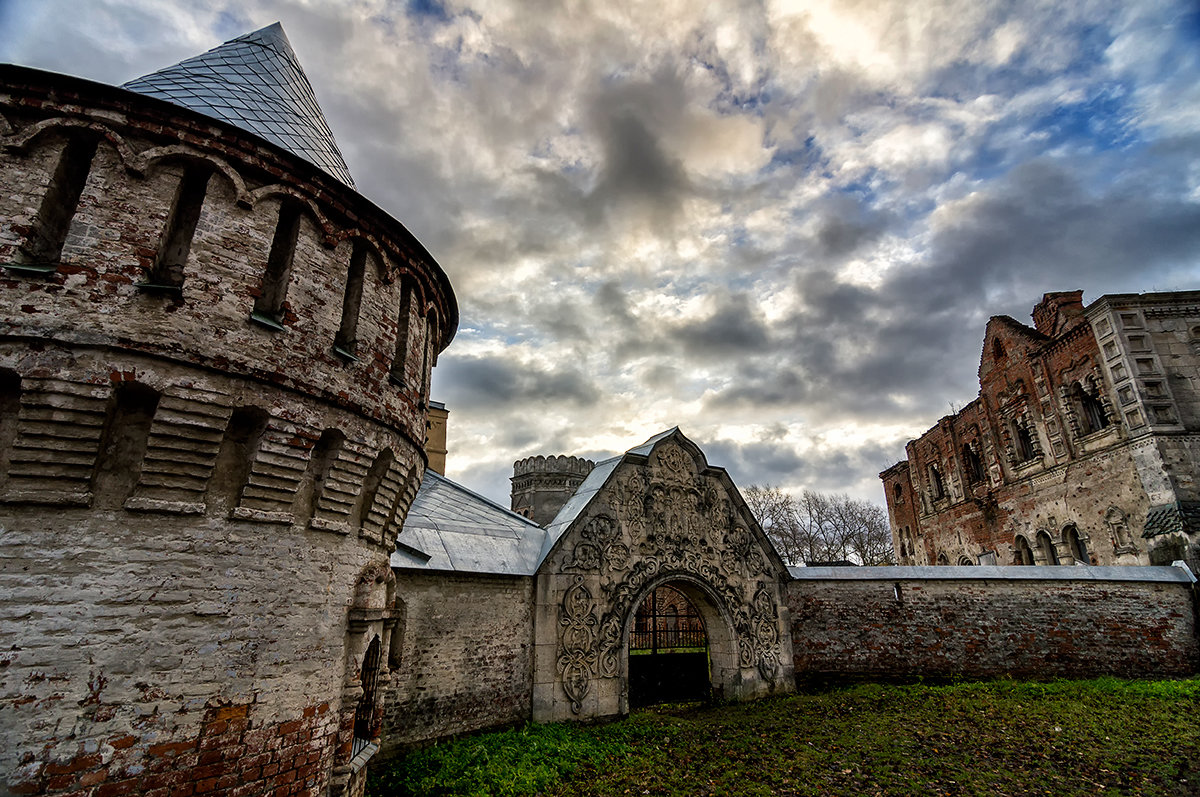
column 255, row 82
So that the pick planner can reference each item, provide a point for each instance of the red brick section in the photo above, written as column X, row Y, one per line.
column 991, row 627
column 231, row 756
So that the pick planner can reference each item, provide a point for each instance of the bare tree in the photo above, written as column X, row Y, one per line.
column 822, row 527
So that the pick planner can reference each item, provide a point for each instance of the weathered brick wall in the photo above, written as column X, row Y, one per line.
column 992, row 621
column 194, row 507
column 464, row 660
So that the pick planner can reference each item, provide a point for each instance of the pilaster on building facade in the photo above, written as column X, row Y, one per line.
column 1082, row 447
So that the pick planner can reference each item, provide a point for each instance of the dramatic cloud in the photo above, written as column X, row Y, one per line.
column 779, row 225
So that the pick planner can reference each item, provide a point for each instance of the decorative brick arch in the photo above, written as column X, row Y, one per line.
column 657, row 515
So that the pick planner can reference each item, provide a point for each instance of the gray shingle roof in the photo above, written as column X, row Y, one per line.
column 451, row 528
column 256, row 83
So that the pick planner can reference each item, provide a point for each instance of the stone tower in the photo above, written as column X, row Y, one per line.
column 214, row 375
column 541, row 485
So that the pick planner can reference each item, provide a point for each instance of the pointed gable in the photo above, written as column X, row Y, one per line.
column 256, row 83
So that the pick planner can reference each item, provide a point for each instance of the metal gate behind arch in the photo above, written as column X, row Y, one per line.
column 668, row 651
column 364, row 715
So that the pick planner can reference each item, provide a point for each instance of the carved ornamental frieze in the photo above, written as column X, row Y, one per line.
column 655, row 522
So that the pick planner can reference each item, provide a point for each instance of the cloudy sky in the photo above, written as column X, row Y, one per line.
column 779, row 225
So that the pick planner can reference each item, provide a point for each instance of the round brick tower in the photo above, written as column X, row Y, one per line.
column 214, row 375
column 541, row 485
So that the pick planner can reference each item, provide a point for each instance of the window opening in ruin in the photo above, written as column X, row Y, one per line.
column 898, row 492
column 176, row 243
column 235, row 458
column 364, row 714
column 972, row 464
column 122, row 447
column 943, row 560
column 347, row 336
column 1075, row 544
column 668, row 650
column 1024, row 442
column 1092, row 417
column 268, row 307
column 42, row 249
column 1022, row 553
column 935, row 483
column 1046, row 546
column 998, row 349
column 403, row 333
column 966, row 561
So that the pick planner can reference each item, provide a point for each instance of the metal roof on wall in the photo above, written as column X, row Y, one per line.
column 256, row 83
column 451, row 528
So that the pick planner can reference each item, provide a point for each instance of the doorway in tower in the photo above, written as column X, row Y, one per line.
column 668, row 650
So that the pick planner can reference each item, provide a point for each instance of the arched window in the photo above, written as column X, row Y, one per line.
column 936, row 486
column 897, row 493
column 1046, row 547
column 1075, row 544
column 1091, row 414
column 943, row 560
column 966, row 561
column 43, row 246
column 1022, row 553
column 972, row 464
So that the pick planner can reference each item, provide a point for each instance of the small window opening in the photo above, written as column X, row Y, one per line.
column 1075, row 545
column 177, row 236
column 972, row 464
column 898, row 493
column 123, row 443
column 1024, row 443
column 1046, row 546
column 966, row 561
column 427, row 358
column 235, row 458
column 1022, row 553
column 42, row 249
column 10, row 410
column 936, row 484
column 403, row 335
column 347, row 336
column 313, row 483
column 268, row 307
column 1092, row 417
column 943, row 560
column 375, row 474
column 998, row 351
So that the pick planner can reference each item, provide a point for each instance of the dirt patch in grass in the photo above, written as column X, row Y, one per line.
column 1104, row 736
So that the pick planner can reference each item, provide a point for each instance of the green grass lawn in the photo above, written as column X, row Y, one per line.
column 1102, row 736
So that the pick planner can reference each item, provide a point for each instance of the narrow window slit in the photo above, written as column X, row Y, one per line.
column 397, row 376
column 347, row 336
column 42, row 250
column 268, row 307
column 168, row 272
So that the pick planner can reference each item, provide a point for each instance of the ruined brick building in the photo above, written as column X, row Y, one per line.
column 231, row 565
column 1083, row 445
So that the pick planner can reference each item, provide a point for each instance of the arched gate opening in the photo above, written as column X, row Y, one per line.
column 668, row 649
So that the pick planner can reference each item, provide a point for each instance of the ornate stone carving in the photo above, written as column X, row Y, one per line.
column 577, row 647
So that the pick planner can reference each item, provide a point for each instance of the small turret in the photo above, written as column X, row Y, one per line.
column 541, row 485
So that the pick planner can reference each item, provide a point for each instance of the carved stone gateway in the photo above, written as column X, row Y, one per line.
column 657, row 515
